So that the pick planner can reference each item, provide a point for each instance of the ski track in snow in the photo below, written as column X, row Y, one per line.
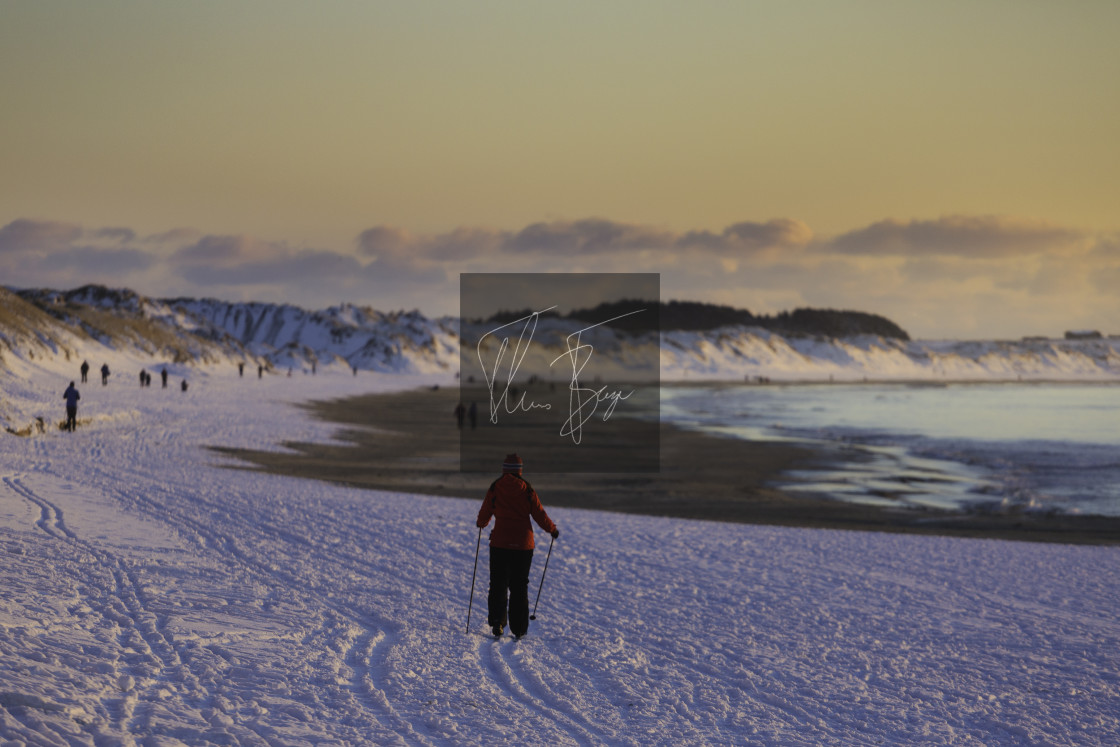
column 152, row 596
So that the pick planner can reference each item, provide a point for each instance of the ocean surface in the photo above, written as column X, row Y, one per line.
column 978, row 447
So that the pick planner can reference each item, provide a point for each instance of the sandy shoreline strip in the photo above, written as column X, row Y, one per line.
column 408, row 442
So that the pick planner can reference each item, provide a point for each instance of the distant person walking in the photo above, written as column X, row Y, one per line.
column 71, row 396
column 460, row 413
column 511, row 501
column 104, row 374
column 183, row 386
column 163, row 376
column 85, row 371
column 260, row 371
column 143, row 377
column 472, row 413
column 241, row 368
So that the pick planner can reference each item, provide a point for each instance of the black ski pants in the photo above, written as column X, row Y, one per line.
column 71, row 418
column 509, row 572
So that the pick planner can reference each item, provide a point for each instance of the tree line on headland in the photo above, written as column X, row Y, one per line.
column 631, row 315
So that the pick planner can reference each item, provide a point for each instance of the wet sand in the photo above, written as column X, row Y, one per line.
column 409, row 442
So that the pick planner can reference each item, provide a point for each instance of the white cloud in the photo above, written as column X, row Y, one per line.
column 949, row 277
column 956, row 235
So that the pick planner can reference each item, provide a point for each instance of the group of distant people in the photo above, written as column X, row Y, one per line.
column 146, row 378
column 241, row 370
column 85, row 373
column 72, row 395
column 463, row 413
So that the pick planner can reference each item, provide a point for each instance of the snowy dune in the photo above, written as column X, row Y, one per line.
column 153, row 596
column 736, row 353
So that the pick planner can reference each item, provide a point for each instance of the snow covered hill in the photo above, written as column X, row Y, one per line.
column 130, row 332
column 357, row 336
column 279, row 336
column 151, row 595
column 738, row 352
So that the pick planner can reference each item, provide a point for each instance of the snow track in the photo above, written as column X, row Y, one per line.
column 150, row 659
column 500, row 663
column 356, row 640
column 152, row 596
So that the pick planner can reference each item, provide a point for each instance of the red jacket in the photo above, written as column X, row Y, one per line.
column 512, row 501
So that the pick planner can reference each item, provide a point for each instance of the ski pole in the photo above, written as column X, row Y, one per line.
column 473, row 574
column 534, row 615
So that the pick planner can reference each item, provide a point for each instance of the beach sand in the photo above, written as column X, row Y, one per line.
column 409, row 442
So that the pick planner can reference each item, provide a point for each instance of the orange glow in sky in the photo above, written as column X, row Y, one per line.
column 953, row 166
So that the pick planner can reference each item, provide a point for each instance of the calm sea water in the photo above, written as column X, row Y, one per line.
column 973, row 447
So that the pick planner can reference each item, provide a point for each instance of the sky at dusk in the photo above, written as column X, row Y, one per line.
column 953, row 166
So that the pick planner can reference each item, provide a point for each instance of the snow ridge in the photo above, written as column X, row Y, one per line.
column 361, row 337
column 743, row 352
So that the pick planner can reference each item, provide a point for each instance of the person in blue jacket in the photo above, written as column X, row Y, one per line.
column 71, row 396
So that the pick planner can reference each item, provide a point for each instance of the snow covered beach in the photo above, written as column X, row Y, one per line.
column 154, row 596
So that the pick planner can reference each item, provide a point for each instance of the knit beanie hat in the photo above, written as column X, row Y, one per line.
column 512, row 464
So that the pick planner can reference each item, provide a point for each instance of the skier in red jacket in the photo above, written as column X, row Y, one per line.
column 511, row 500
